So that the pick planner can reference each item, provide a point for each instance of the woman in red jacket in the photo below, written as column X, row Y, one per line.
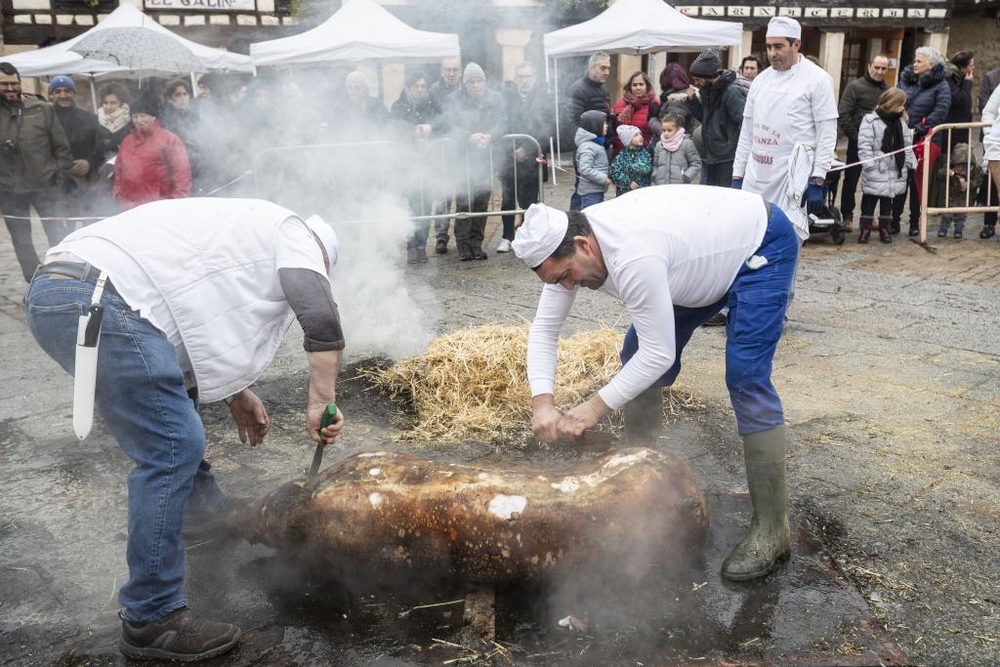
column 638, row 106
column 152, row 163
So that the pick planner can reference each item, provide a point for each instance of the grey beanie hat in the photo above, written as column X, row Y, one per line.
column 706, row 65
column 472, row 71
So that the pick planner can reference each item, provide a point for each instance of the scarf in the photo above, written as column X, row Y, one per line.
column 633, row 104
column 598, row 140
column 892, row 140
column 674, row 142
column 115, row 120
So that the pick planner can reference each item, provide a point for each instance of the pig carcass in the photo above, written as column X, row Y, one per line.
column 635, row 508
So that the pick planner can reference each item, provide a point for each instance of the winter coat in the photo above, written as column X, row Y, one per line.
column 39, row 156
column 720, row 110
column 632, row 164
column 680, row 166
column 859, row 98
column 881, row 177
column 958, row 194
column 585, row 94
column 990, row 82
column 531, row 115
column 88, row 139
column 441, row 97
column 406, row 115
column 928, row 99
column 468, row 116
column 960, row 110
column 185, row 125
column 151, row 166
column 646, row 118
column 591, row 162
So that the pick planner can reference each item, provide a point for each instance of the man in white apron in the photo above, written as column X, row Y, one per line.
column 789, row 128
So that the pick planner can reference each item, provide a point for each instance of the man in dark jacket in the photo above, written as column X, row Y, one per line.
column 587, row 94
column 441, row 93
column 859, row 98
column 34, row 161
column 88, row 141
column 528, row 109
column 719, row 106
column 478, row 121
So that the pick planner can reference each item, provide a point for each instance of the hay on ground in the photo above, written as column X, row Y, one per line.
column 472, row 384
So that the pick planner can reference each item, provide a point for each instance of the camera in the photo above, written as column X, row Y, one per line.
column 9, row 148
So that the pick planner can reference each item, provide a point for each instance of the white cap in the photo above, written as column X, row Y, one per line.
column 543, row 229
column 328, row 237
column 783, row 26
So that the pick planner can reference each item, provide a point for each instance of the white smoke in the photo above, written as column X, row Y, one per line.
column 381, row 311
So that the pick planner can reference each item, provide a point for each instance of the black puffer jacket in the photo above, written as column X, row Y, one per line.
column 960, row 110
column 585, row 94
column 720, row 111
column 928, row 99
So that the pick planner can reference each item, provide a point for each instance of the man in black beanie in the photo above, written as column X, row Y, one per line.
column 717, row 100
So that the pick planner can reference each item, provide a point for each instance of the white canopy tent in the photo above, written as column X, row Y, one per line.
column 640, row 26
column 361, row 30
column 58, row 59
column 637, row 27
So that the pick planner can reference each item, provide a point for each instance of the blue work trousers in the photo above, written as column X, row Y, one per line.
column 757, row 301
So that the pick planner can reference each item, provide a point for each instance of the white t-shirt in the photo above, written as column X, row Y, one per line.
column 663, row 246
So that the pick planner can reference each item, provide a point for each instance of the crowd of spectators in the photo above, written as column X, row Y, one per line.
column 707, row 124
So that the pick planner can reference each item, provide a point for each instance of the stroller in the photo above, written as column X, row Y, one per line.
column 828, row 220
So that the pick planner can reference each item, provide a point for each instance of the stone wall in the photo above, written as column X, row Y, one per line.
column 978, row 33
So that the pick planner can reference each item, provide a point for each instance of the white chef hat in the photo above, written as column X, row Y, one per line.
column 783, row 26
column 327, row 236
column 544, row 228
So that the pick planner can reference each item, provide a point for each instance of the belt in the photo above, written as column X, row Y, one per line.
column 78, row 270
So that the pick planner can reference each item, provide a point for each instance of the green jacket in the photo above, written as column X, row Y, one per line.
column 34, row 151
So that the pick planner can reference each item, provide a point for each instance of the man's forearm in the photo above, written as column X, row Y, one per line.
column 323, row 369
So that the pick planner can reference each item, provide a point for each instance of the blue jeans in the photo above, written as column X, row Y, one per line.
column 142, row 398
column 580, row 202
column 757, row 301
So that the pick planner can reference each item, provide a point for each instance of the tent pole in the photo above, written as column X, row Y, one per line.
column 555, row 97
column 194, row 85
column 93, row 93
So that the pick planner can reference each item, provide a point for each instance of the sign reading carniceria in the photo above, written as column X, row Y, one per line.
column 203, row 5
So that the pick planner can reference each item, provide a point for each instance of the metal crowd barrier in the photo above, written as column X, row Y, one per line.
column 325, row 173
column 945, row 154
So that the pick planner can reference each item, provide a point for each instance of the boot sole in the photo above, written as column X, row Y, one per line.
column 757, row 574
column 140, row 653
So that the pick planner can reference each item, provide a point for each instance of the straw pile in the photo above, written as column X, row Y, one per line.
column 472, row 385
